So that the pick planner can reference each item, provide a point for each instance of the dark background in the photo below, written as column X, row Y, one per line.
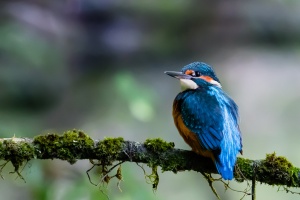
column 98, row 66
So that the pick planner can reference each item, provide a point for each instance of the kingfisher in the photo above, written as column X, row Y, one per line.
column 206, row 117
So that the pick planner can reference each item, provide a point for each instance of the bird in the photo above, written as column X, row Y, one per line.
column 206, row 117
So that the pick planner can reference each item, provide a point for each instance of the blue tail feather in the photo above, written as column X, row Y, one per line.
column 226, row 173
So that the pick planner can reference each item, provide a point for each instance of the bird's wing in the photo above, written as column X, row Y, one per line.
column 202, row 114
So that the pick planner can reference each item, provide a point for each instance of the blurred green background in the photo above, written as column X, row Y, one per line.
column 98, row 66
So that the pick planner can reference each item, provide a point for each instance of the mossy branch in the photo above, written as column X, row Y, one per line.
column 76, row 145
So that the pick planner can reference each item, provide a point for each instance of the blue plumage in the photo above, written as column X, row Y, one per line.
column 206, row 117
column 205, row 69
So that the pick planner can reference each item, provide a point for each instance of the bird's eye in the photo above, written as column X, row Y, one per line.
column 197, row 73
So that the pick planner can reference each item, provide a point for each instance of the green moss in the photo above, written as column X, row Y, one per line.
column 277, row 170
column 160, row 148
column 279, row 162
column 16, row 152
column 153, row 178
column 174, row 162
column 245, row 167
column 69, row 146
column 158, row 145
column 273, row 170
column 76, row 144
column 108, row 149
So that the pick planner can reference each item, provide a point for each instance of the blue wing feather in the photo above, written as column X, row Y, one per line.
column 201, row 115
column 213, row 116
column 208, row 142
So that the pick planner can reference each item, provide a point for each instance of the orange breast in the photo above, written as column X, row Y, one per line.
column 189, row 137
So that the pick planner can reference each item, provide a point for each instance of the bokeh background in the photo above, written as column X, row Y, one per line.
column 98, row 66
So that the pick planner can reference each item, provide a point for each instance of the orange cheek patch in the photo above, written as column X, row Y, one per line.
column 206, row 78
column 189, row 72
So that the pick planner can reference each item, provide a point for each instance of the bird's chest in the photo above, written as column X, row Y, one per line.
column 182, row 114
column 189, row 137
column 190, row 114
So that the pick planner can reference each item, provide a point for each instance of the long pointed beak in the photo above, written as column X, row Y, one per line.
column 178, row 75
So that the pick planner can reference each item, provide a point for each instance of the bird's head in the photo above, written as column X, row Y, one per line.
column 194, row 75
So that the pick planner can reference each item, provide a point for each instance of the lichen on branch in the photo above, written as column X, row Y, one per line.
column 75, row 145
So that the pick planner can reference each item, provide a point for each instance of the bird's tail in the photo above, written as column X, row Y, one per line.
column 225, row 171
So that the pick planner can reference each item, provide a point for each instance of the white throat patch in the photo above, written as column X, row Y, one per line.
column 187, row 84
column 216, row 83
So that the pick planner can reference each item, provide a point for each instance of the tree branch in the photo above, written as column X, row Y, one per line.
column 76, row 145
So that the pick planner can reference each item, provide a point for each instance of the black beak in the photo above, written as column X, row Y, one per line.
column 178, row 75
